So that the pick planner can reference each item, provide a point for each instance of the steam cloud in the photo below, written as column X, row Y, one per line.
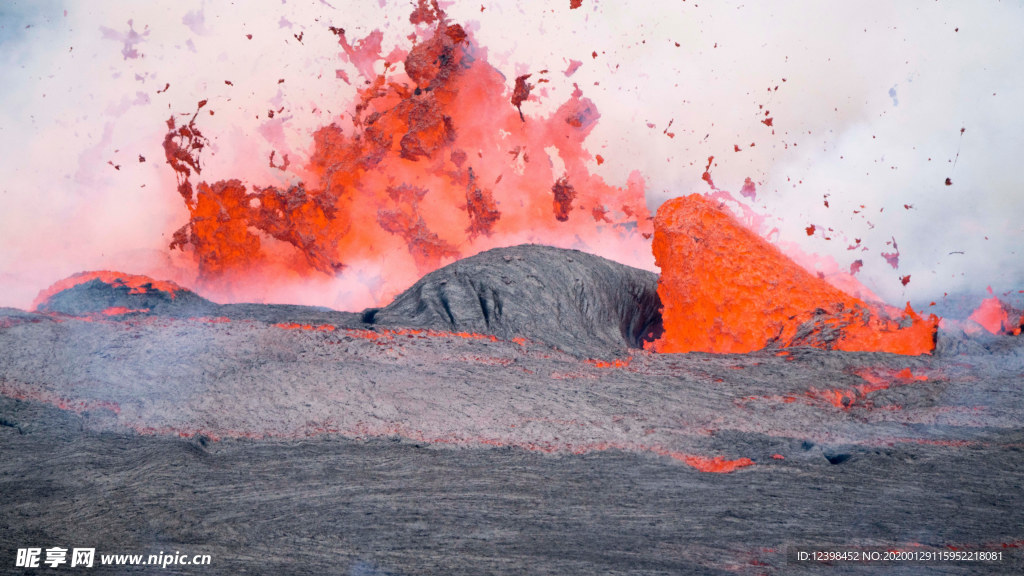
column 870, row 104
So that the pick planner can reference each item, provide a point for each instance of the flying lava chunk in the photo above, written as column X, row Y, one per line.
column 442, row 162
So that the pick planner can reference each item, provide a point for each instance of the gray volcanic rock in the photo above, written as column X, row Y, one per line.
column 300, row 440
column 271, row 313
column 278, row 450
column 577, row 302
column 13, row 316
column 133, row 294
column 120, row 294
column 580, row 303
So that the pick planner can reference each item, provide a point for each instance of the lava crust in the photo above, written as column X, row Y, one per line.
column 577, row 302
column 464, row 430
column 115, row 293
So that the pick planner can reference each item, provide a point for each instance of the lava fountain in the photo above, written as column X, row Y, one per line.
column 726, row 289
column 441, row 163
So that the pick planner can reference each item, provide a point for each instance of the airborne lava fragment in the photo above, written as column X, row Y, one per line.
column 436, row 166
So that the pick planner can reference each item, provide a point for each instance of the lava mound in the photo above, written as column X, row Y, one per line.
column 577, row 302
column 727, row 290
column 115, row 294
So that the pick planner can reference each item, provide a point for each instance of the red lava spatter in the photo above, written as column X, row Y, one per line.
column 718, row 464
column 997, row 317
column 121, row 311
column 727, row 290
column 296, row 326
column 876, row 378
column 616, row 363
column 846, row 398
column 441, row 162
column 46, row 397
column 137, row 284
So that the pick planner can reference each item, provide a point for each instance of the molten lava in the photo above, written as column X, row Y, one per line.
column 441, row 162
column 122, row 310
column 727, row 290
column 717, row 465
column 997, row 317
column 876, row 378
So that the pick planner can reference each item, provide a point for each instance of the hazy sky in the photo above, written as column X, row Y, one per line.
column 873, row 105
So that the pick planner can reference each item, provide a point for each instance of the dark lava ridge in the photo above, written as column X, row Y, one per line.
column 577, row 302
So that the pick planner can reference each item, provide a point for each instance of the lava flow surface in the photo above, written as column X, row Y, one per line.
column 423, row 327
column 483, row 417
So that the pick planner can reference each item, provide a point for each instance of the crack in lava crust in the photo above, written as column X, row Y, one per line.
column 249, row 379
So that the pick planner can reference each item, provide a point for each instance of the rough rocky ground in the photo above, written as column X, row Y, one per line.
column 574, row 301
column 286, row 440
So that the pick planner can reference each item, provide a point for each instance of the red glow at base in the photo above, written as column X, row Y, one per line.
column 726, row 290
column 121, row 310
column 616, row 363
column 717, row 465
column 137, row 284
column 11, row 390
column 296, row 326
column 877, row 379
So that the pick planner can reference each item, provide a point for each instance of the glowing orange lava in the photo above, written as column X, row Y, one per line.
column 616, row 363
column 296, row 326
column 121, row 310
column 717, row 464
column 876, row 378
column 997, row 317
column 727, row 290
column 441, row 162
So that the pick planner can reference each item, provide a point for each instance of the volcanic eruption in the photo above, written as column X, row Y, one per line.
column 727, row 290
column 440, row 163
column 520, row 395
column 439, row 166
